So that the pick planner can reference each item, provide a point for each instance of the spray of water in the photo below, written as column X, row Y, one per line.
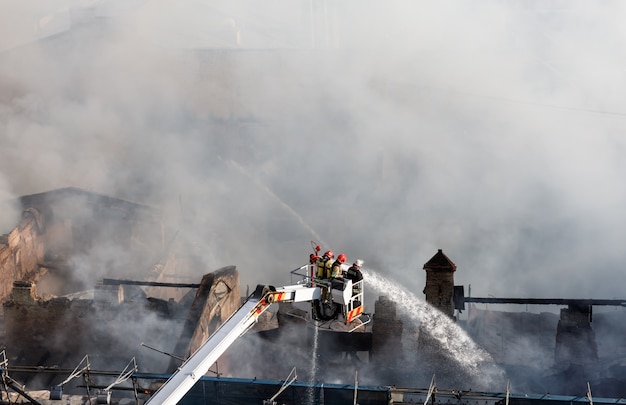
column 272, row 195
column 263, row 187
column 450, row 336
column 313, row 369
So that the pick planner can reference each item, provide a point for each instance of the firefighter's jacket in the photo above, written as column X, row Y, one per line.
column 336, row 270
column 354, row 274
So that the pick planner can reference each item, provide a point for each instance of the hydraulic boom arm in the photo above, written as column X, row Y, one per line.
column 243, row 319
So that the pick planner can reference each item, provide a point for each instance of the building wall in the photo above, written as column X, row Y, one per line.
column 439, row 290
column 216, row 299
column 110, row 327
column 67, row 241
column 32, row 325
column 21, row 252
column 386, row 332
column 61, row 331
column 69, row 238
column 514, row 337
column 575, row 340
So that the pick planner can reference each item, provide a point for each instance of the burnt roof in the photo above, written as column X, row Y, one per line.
column 63, row 201
column 440, row 262
column 69, row 192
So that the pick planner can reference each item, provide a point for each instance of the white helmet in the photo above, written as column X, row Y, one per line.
column 358, row 263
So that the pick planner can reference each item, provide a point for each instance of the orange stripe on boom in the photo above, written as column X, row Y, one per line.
column 259, row 308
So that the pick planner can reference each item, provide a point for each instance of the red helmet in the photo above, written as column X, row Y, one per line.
column 341, row 258
column 329, row 253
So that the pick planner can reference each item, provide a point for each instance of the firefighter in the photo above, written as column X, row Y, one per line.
column 324, row 265
column 313, row 257
column 354, row 274
column 354, row 271
column 337, row 272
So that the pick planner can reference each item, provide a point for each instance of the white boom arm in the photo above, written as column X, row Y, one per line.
column 201, row 360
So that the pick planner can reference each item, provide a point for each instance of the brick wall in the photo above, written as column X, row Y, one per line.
column 386, row 332
column 33, row 325
column 61, row 331
column 439, row 291
column 575, row 340
column 21, row 251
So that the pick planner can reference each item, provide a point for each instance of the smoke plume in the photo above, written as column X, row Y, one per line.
column 383, row 130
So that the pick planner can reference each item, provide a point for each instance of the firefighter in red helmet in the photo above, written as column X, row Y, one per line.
column 313, row 257
column 337, row 271
column 324, row 265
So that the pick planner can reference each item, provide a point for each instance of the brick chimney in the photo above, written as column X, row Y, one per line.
column 575, row 340
column 439, row 287
column 24, row 292
column 386, row 333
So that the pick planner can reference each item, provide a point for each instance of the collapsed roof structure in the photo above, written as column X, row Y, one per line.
column 56, row 307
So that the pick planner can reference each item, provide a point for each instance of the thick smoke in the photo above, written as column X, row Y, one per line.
column 10, row 209
column 489, row 130
column 384, row 130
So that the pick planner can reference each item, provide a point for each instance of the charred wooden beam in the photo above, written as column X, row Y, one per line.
column 546, row 301
column 112, row 281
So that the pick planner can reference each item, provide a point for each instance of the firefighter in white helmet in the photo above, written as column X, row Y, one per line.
column 354, row 274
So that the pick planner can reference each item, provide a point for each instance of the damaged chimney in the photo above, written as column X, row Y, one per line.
column 24, row 292
column 575, row 339
column 439, row 287
column 386, row 331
